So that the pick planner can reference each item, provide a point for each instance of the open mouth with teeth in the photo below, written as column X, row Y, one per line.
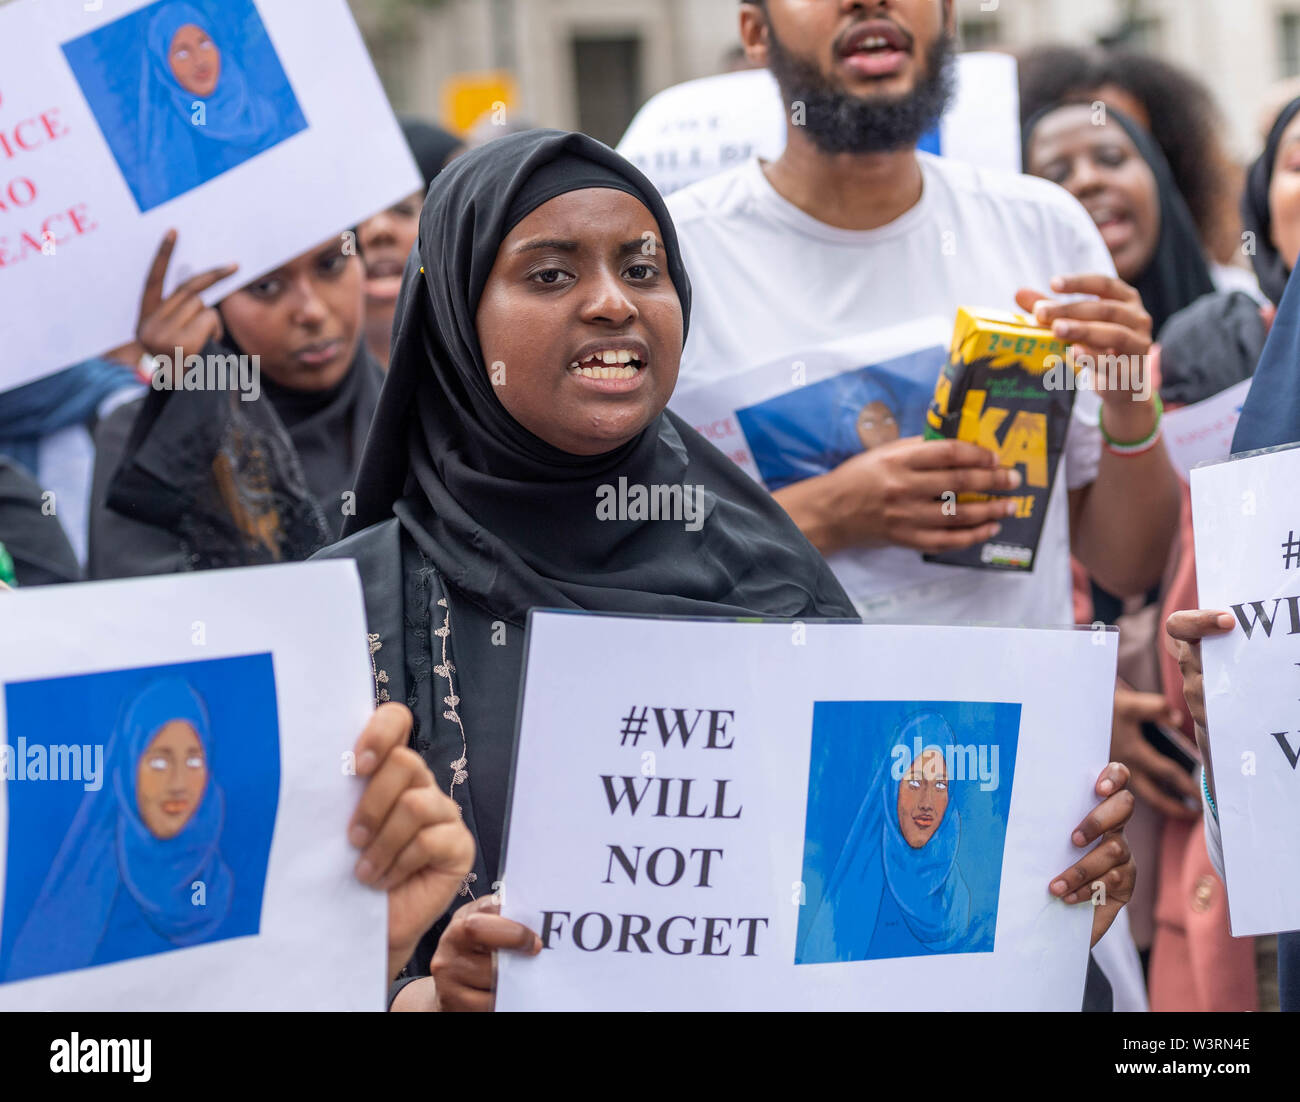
column 608, row 364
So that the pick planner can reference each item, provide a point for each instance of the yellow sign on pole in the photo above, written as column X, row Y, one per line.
column 467, row 97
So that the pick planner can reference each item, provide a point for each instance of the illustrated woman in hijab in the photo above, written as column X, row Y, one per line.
column 196, row 479
column 122, row 882
column 198, row 114
column 896, row 889
column 537, row 341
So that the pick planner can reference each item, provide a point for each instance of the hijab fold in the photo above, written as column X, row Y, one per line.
column 511, row 521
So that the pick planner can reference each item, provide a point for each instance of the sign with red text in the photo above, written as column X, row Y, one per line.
column 1248, row 563
column 223, row 119
column 780, row 816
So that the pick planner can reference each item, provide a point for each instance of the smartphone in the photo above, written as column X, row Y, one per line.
column 1173, row 744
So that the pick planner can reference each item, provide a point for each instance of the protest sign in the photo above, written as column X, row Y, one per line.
column 177, row 787
column 767, row 816
column 1202, row 432
column 693, row 130
column 224, row 119
column 1248, row 562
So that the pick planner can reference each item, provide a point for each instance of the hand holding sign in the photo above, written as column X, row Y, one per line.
column 416, row 846
column 1187, row 629
column 1110, row 864
column 464, row 965
column 180, row 320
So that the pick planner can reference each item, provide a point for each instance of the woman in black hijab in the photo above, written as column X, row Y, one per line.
column 1117, row 171
column 257, row 465
column 537, row 341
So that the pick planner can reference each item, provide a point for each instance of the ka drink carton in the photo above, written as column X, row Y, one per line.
column 1001, row 389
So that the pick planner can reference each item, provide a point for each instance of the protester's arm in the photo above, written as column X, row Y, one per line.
column 1187, row 629
column 413, row 842
column 894, row 495
column 1107, row 874
column 1121, row 525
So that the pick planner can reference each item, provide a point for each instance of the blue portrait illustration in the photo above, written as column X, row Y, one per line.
column 183, row 91
column 905, row 829
column 154, row 855
column 812, row 429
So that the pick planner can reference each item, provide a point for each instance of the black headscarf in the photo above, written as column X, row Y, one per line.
column 507, row 519
column 1257, row 216
column 240, row 483
column 1177, row 274
column 430, row 145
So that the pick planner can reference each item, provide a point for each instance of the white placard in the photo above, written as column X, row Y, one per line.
column 1248, row 561
column 280, row 138
column 178, row 747
column 691, row 131
column 1202, row 432
column 801, row 867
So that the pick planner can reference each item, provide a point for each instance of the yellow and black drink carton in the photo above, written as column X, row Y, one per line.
column 1002, row 389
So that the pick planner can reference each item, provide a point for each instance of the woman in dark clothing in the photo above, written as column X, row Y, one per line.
column 538, row 338
column 1116, row 170
column 386, row 239
column 257, row 466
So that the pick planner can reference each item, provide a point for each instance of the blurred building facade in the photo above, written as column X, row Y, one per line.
column 588, row 64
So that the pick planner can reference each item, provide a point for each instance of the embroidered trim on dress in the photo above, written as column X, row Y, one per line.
column 459, row 774
column 380, row 676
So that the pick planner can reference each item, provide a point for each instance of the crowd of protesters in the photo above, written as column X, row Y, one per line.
column 380, row 435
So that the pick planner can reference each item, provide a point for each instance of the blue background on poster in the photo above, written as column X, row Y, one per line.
column 812, row 429
column 243, row 759
column 851, row 743
column 147, row 120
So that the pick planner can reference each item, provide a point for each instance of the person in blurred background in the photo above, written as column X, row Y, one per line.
column 1118, row 173
column 34, row 550
column 191, row 479
column 1176, row 109
column 47, row 426
column 386, row 239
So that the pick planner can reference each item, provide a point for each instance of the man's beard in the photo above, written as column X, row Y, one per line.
column 839, row 122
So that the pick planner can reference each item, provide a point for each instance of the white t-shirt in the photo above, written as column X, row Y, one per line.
column 787, row 310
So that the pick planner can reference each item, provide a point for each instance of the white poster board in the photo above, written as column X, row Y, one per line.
column 279, row 137
column 691, row 131
column 1248, row 562
column 781, row 854
column 178, row 787
column 1203, row 431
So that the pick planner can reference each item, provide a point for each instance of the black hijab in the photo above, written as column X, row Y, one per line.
column 1257, row 216
column 1177, row 274
column 241, row 483
column 504, row 517
column 430, row 146
column 31, row 534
